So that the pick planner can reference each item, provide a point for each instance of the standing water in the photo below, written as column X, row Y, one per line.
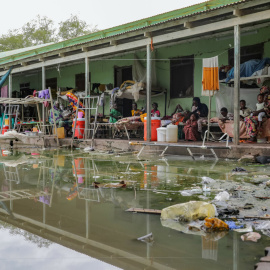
column 67, row 210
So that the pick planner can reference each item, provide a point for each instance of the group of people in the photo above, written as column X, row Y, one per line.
column 253, row 121
column 198, row 115
column 115, row 115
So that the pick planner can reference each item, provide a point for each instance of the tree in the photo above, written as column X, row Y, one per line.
column 42, row 30
column 74, row 27
column 39, row 31
column 12, row 41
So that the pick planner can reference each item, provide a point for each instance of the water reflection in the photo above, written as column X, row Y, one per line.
column 53, row 195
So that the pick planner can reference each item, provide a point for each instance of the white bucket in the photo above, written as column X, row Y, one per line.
column 172, row 133
column 161, row 134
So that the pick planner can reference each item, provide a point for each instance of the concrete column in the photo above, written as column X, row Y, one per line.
column 87, row 92
column 237, row 36
column 10, row 86
column 10, row 96
column 87, row 89
column 148, row 93
column 43, row 76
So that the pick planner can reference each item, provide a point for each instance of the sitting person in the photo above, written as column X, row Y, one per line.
column 135, row 111
column 60, row 120
column 178, row 109
column 191, row 128
column 114, row 114
column 254, row 121
column 244, row 111
column 155, row 112
column 260, row 112
column 202, row 110
column 225, row 115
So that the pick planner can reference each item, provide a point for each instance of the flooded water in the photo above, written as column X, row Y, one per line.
column 52, row 216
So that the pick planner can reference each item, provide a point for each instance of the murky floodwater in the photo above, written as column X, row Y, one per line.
column 51, row 216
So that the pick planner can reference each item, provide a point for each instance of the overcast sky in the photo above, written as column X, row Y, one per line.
column 103, row 13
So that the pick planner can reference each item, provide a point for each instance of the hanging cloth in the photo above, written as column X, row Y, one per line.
column 210, row 81
column 4, row 77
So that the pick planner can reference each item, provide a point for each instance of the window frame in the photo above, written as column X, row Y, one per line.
column 178, row 63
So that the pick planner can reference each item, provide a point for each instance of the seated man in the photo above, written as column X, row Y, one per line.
column 202, row 110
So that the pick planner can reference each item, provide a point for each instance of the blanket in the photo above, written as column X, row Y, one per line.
column 249, row 67
column 228, row 128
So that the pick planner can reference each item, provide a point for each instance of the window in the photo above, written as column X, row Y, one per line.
column 80, row 81
column 247, row 53
column 182, row 77
column 52, row 83
column 25, row 90
column 122, row 74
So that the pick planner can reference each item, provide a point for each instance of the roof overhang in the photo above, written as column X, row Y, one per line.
column 215, row 23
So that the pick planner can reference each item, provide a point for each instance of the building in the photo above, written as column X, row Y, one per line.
column 181, row 38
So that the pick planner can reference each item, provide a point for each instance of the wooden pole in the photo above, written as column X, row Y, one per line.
column 148, row 93
column 209, row 114
column 236, row 83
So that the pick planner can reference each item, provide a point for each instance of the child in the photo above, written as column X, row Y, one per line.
column 191, row 128
column 260, row 112
column 244, row 111
column 225, row 115
column 114, row 115
column 155, row 112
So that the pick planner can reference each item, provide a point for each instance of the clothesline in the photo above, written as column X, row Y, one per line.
column 162, row 59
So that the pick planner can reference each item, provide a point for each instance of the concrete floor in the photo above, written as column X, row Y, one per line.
column 103, row 144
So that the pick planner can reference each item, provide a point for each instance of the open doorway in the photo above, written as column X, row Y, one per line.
column 122, row 74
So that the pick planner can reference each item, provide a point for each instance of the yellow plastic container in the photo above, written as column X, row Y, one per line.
column 6, row 122
column 60, row 133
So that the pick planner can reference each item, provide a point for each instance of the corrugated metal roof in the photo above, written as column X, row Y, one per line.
column 17, row 51
column 129, row 27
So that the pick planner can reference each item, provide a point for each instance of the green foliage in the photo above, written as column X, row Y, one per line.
column 74, row 27
column 42, row 30
column 12, row 41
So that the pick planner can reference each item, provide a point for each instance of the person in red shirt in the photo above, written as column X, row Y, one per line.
column 155, row 112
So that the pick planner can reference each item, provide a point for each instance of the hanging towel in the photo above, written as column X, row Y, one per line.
column 210, row 82
column 4, row 91
column 46, row 95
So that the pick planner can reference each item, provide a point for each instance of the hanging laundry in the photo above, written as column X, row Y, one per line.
column 95, row 86
column 4, row 91
column 73, row 100
column 4, row 77
column 45, row 94
column 102, row 99
column 113, row 97
column 102, row 87
column 210, row 80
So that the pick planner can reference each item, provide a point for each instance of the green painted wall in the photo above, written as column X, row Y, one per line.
column 102, row 71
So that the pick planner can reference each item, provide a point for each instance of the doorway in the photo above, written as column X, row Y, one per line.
column 122, row 74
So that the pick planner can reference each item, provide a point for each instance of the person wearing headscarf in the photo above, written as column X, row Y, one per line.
column 60, row 120
column 57, row 114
